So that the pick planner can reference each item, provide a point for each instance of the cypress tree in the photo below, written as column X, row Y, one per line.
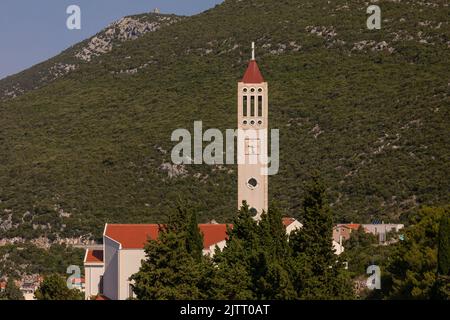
column 194, row 238
column 174, row 267
column 317, row 272
column 270, row 271
column 233, row 278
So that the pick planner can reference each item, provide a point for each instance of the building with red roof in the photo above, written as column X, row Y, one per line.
column 108, row 269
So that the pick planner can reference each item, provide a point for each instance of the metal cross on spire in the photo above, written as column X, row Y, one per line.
column 253, row 51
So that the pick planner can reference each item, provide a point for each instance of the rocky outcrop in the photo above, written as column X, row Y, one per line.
column 125, row 29
column 128, row 28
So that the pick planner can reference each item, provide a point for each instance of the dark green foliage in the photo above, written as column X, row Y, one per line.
column 444, row 246
column 174, row 268
column 12, row 292
column 254, row 264
column 318, row 273
column 361, row 251
column 54, row 287
column 414, row 263
column 19, row 259
column 260, row 263
column 88, row 141
column 194, row 238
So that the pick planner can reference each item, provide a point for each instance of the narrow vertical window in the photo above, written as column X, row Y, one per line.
column 260, row 106
column 252, row 106
column 244, row 106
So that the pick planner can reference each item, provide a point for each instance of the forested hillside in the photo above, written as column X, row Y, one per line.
column 368, row 109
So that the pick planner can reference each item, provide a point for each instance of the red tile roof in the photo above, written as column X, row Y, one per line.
column 78, row 280
column 253, row 75
column 101, row 297
column 288, row 221
column 213, row 233
column 134, row 236
column 354, row 226
column 94, row 256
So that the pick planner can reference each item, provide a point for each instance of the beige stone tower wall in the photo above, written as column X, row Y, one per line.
column 250, row 149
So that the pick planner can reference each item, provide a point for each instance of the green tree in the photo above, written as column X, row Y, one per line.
column 444, row 246
column 271, row 261
column 194, row 238
column 414, row 262
column 254, row 263
column 12, row 292
column 54, row 287
column 233, row 277
column 317, row 271
column 174, row 267
column 443, row 277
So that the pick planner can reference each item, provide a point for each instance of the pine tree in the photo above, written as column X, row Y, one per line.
column 254, row 263
column 168, row 272
column 233, row 277
column 317, row 272
column 194, row 238
column 174, row 267
column 270, row 271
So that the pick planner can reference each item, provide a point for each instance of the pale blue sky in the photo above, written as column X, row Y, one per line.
column 32, row 31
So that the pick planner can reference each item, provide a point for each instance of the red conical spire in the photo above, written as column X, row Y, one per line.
column 253, row 75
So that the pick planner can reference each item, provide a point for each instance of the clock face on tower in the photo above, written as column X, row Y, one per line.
column 252, row 146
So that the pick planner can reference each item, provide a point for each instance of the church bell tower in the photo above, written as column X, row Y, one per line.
column 253, row 139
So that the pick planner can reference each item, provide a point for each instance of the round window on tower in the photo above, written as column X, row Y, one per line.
column 260, row 90
column 252, row 183
column 253, row 211
column 252, row 89
column 260, row 122
column 245, row 90
column 252, row 122
column 244, row 122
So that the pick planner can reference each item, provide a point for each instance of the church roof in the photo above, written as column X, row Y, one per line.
column 134, row 236
column 253, row 75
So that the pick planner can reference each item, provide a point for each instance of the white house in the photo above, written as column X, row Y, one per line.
column 107, row 270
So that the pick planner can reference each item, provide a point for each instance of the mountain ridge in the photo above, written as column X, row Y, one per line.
column 124, row 29
column 365, row 108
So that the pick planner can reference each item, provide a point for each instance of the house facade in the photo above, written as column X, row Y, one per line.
column 108, row 269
